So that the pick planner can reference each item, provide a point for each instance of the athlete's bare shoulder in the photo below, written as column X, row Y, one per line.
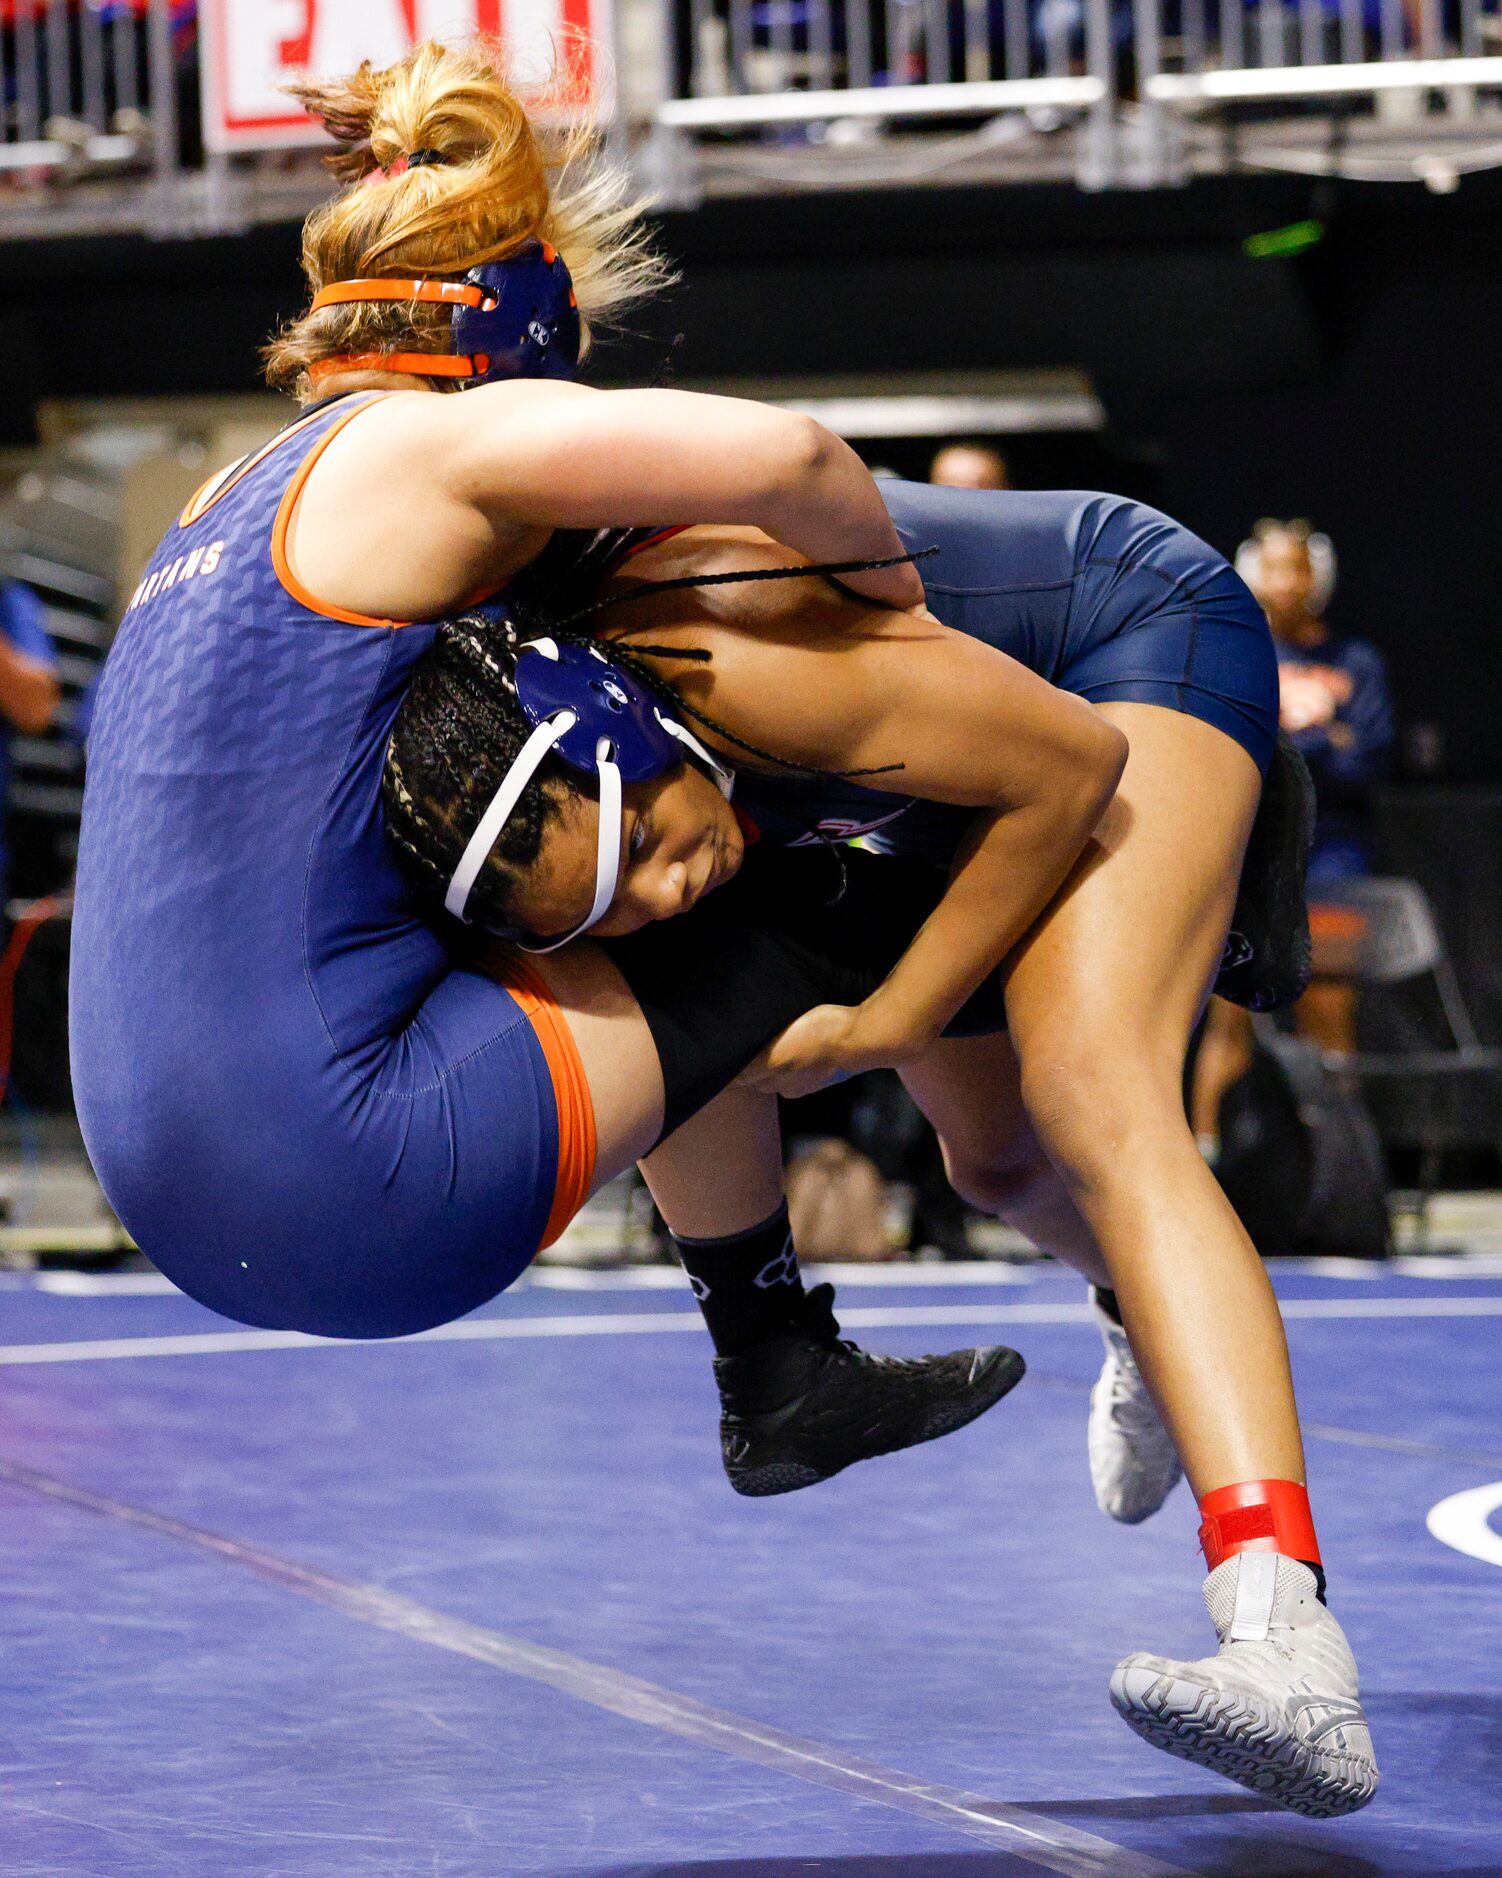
column 378, row 527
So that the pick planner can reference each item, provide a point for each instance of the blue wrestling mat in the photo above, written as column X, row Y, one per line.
column 482, row 1603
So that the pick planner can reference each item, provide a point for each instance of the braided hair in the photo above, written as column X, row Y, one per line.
column 462, row 726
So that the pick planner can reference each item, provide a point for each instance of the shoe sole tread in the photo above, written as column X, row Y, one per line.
column 1231, row 1733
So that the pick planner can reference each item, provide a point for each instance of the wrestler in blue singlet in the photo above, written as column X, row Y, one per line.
column 299, row 1104
column 1100, row 596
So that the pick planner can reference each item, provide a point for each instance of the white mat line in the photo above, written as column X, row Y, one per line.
column 1017, row 1830
column 647, row 1323
column 978, row 1276
column 1463, row 1520
column 964, row 1275
column 1401, row 1444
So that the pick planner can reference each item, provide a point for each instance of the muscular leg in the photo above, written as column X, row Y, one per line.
column 616, row 1048
column 1101, row 1001
column 739, row 1137
column 970, row 1089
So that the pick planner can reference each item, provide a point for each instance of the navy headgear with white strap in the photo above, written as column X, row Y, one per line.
column 590, row 712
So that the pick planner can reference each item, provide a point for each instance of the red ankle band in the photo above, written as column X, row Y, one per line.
column 1258, row 1516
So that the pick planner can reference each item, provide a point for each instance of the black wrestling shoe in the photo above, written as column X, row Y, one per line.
column 802, row 1406
column 1267, row 960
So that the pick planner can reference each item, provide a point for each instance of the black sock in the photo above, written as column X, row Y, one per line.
column 1107, row 1302
column 748, row 1285
column 1319, row 1577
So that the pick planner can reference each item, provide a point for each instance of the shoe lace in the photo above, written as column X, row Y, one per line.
column 816, row 1319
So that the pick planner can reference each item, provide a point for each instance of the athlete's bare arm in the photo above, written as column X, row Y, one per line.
column 424, row 500
column 836, row 684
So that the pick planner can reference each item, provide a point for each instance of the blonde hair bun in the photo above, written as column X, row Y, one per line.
column 492, row 177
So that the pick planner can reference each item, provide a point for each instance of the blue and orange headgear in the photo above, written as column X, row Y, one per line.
column 591, row 712
column 516, row 318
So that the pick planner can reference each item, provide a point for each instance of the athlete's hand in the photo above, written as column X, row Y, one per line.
column 827, row 1044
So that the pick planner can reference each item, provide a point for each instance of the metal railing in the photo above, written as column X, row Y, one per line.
column 774, row 60
column 77, row 80
column 1257, row 49
column 1128, row 76
column 99, row 98
column 1392, row 89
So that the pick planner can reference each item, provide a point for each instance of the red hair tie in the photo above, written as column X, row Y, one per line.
column 419, row 159
column 398, row 167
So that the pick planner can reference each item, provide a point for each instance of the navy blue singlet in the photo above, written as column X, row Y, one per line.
column 302, row 1108
column 1100, row 596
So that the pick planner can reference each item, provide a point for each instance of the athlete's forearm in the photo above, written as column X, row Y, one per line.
column 564, row 456
column 835, row 513
column 1010, row 866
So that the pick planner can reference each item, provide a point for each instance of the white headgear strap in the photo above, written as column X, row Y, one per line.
column 488, row 829
column 724, row 778
column 608, row 850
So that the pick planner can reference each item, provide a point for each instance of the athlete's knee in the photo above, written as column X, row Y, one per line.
column 999, row 1181
column 1092, row 1106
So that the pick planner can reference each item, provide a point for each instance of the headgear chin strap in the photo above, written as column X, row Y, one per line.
column 517, row 318
column 591, row 713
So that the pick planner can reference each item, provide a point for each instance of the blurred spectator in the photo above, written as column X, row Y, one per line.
column 1335, row 699
column 970, row 466
column 28, row 685
column 1336, row 706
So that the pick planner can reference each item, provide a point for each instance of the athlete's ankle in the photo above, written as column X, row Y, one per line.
column 748, row 1283
column 1261, row 1516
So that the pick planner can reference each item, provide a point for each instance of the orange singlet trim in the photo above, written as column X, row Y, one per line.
column 578, row 1142
column 303, row 595
column 223, row 480
column 283, row 522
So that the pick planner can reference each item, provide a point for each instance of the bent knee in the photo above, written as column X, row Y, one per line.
column 1088, row 1107
column 1001, row 1184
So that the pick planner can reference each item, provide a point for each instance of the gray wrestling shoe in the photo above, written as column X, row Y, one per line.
column 1277, row 1709
column 1134, row 1465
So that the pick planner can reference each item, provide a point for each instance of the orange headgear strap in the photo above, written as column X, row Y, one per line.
column 1258, row 1516
column 415, row 364
column 450, row 292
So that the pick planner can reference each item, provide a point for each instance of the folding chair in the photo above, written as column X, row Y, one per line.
column 1402, row 944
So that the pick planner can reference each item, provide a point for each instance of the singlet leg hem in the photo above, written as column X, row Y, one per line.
column 1243, row 725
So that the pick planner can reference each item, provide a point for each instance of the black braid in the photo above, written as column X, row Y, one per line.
column 459, row 729
column 461, row 726
column 823, row 570
column 629, row 653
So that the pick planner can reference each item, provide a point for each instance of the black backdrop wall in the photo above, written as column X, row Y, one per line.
column 1359, row 383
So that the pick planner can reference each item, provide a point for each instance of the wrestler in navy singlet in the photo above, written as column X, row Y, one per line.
column 1100, row 596
column 303, row 1110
